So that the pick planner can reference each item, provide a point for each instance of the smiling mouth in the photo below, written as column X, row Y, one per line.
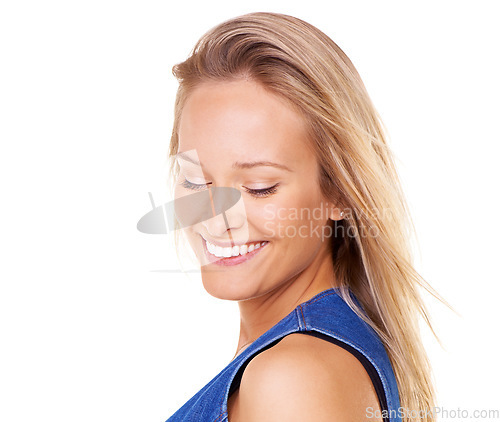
column 232, row 255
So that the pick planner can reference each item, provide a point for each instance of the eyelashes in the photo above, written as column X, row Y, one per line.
column 259, row 193
column 193, row 186
column 262, row 193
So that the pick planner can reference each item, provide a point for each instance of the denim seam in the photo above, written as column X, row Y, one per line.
column 223, row 415
column 321, row 296
column 303, row 318
column 300, row 321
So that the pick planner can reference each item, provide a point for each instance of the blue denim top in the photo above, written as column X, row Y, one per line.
column 325, row 315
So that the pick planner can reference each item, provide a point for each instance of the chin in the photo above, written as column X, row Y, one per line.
column 226, row 287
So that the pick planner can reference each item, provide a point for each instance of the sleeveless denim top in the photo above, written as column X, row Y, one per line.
column 326, row 316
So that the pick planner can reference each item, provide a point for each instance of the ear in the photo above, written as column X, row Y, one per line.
column 334, row 212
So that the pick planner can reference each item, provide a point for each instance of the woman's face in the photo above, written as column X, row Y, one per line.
column 249, row 139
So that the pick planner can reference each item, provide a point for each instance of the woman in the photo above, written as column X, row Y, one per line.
column 318, row 255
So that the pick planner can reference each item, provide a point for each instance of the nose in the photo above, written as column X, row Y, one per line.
column 230, row 221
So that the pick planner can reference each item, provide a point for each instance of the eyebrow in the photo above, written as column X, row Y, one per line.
column 240, row 165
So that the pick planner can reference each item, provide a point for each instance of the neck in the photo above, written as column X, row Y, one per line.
column 259, row 314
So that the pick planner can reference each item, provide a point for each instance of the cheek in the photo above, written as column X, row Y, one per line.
column 296, row 218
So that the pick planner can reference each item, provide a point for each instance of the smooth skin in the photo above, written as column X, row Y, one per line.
column 302, row 377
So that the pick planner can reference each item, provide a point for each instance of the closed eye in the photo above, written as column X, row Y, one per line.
column 193, row 186
column 260, row 193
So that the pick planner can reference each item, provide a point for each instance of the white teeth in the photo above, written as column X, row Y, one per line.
column 232, row 251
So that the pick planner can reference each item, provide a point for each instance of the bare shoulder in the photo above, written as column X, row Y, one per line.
column 304, row 378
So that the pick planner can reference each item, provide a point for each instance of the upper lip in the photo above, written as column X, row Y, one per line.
column 229, row 244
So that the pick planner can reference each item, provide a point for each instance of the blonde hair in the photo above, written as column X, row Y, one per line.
column 298, row 62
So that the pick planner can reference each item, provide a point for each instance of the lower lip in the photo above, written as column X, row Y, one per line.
column 232, row 260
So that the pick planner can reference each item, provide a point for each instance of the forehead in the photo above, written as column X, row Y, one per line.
column 240, row 119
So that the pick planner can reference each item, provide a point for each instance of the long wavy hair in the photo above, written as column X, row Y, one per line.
column 371, row 250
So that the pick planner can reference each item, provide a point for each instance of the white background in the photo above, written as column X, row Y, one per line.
column 89, row 331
